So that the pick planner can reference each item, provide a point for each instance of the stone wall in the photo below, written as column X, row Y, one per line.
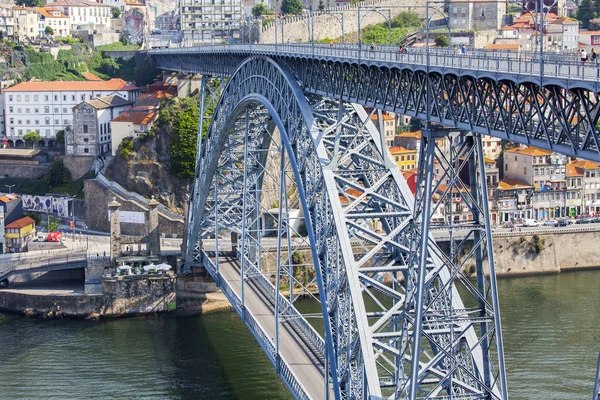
column 121, row 296
column 327, row 26
column 23, row 171
column 96, row 214
column 78, row 166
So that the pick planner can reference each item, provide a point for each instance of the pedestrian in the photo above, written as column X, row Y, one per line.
column 330, row 43
column 372, row 49
column 594, row 56
column 583, row 56
column 288, row 42
column 463, row 49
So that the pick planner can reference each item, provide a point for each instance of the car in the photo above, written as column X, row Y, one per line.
column 596, row 220
column 530, row 222
column 583, row 221
column 550, row 222
column 564, row 222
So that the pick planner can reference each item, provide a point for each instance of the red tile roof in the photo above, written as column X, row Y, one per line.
column 399, row 149
column 90, row 77
column 156, row 95
column 385, row 117
column 508, row 184
column 138, row 116
column 64, row 86
column 412, row 135
column 530, row 151
column 502, row 46
column 21, row 223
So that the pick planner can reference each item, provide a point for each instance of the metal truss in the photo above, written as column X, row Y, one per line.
column 551, row 113
column 394, row 322
column 596, row 395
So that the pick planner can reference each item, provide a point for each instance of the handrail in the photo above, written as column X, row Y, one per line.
column 561, row 65
column 132, row 196
column 286, row 373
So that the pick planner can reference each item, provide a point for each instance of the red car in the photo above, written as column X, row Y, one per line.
column 54, row 237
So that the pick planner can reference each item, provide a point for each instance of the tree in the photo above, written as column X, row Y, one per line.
column 60, row 137
column 585, row 12
column 32, row 138
column 57, row 174
column 441, row 41
column 407, row 19
column 260, row 9
column 49, row 30
column 594, row 24
column 31, row 3
column 185, row 136
column 52, row 224
column 293, row 7
column 116, row 12
column 321, row 5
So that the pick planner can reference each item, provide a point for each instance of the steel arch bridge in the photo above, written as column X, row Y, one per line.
column 290, row 140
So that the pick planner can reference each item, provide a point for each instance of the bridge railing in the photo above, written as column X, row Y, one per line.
column 561, row 65
column 286, row 373
column 287, row 309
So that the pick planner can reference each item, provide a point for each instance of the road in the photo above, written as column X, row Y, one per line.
column 306, row 365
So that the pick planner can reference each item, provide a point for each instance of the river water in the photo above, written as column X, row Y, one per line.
column 551, row 338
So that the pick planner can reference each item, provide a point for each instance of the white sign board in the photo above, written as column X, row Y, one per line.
column 131, row 217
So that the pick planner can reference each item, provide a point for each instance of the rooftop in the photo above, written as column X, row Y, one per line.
column 7, row 198
column 21, row 153
column 160, row 95
column 530, row 151
column 502, row 46
column 75, row 3
column 511, row 184
column 572, row 171
column 63, row 86
column 589, row 33
column 138, row 116
column 46, row 12
column 91, row 77
column 21, row 222
column 400, row 149
column 104, row 102
column 412, row 135
column 585, row 164
column 385, row 117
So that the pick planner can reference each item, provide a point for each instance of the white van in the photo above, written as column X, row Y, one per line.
column 529, row 222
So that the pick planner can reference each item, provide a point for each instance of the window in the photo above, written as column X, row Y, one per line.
column 36, row 110
column 28, row 122
column 55, row 110
column 12, row 121
column 85, row 129
column 37, row 121
column 73, row 97
column 10, row 109
column 64, row 110
column 18, row 97
column 10, row 98
column 46, row 98
column 86, row 150
column 27, row 111
column 56, row 122
column 85, row 140
column 36, row 97
column 19, row 122
column 64, row 97
column 47, row 110
column 66, row 122
column 82, row 97
column 55, row 97
column 26, row 97
column 506, row 167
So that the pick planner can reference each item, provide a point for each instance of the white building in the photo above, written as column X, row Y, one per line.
column 207, row 20
column 26, row 23
column 83, row 13
column 47, row 107
column 132, row 123
column 55, row 19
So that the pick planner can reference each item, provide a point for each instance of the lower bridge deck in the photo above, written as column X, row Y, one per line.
column 295, row 350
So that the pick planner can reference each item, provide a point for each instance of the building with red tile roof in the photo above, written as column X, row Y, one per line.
column 47, row 107
column 132, row 123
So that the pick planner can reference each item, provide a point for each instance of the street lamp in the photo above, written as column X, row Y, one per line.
column 10, row 188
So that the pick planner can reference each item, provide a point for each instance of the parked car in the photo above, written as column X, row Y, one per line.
column 565, row 222
column 583, row 221
column 551, row 222
column 530, row 222
column 596, row 220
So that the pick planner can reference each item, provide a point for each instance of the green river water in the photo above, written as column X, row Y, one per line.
column 551, row 335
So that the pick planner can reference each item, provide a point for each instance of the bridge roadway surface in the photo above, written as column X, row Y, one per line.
column 293, row 348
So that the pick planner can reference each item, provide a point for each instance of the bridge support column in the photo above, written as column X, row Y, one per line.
column 115, row 230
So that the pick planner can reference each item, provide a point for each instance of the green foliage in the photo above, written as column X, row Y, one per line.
column 260, row 9
column 293, row 7
column 60, row 137
column 441, row 41
column 52, row 224
column 321, row 5
column 49, row 30
column 57, row 174
column 116, row 12
column 25, row 185
column 31, row 3
column 126, row 147
column 73, row 188
column 32, row 138
column 33, row 216
column 117, row 46
column 183, row 144
column 586, row 12
column 407, row 19
column 302, row 273
column 69, row 40
column 536, row 244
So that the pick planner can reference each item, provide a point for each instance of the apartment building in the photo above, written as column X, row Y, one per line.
column 388, row 125
column 514, row 200
column 209, row 20
column 47, row 107
column 476, row 14
column 132, row 123
column 26, row 23
column 55, row 19
column 83, row 13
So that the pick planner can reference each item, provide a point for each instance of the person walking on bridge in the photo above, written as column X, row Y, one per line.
column 463, row 49
column 330, row 43
column 594, row 56
column 583, row 56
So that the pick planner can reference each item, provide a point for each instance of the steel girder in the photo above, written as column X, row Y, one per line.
column 596, row 394
column 365, row 231
column 556, row 115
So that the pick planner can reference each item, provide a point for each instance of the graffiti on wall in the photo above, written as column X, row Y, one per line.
column 46, row 204
column 133, row 26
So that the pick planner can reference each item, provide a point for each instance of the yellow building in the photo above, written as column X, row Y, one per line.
column 19, row 233
column 405, row 159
